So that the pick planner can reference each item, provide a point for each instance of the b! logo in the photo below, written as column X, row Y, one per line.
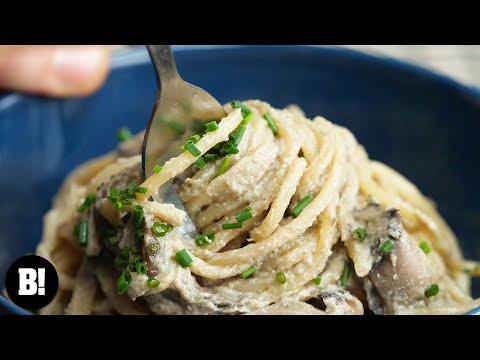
column 31, row 282
column 27, row 281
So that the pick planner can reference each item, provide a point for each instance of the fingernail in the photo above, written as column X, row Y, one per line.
column 76, row 65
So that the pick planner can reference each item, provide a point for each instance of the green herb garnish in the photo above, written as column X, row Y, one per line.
column 245, row 274
column 432, row 291
column 123, row 134
column 386, row 247
column 124, row 281
column 205, row 239
column 232, row 226
column 425, row 247
column 89, row 200
column 239, row 105
column 224, row 165
column 281, row 278
column 83, row 233
column 301, row 205
column 183, row 258
column 271, row 123
column 211, row 126
column 153, row 283
column 360, row 233
column 244, row 215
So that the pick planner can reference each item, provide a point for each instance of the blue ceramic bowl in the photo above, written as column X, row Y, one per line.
column 422, row 124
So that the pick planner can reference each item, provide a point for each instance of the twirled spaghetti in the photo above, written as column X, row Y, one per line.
column 294, row 220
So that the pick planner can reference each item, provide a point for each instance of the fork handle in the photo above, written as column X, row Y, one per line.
column 164, row 62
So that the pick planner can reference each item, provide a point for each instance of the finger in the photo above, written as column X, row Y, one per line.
column 55, row 70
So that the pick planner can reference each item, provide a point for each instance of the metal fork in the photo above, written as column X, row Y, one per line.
column 179, row 111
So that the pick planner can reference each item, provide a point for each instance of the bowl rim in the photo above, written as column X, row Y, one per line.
column 136, row 55
column 131, row 56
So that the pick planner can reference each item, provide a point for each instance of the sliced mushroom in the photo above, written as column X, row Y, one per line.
column 398, row 279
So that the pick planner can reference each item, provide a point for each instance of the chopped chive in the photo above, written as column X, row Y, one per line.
column 165, row 227
column 135, row 258
column 211, row 126
column 200, row 163
column 271, row 123
column 120, row 263
column 152, row 248
column 237, row 135
column 232, row 226
column 153, row 283
column 192, row 149
column 194, row 138
column 467, row 271
column 138, row 215
column 127, row 202
column 141, row 268
column 124, row 134
column 301, row 205
column 135, row 251
column 205, row 239
column 245, row 274
column 224, row 165
column 317, row 280
column 246, row 119
column 157, row 169
column 229, row 148
column 141, row 189
column 134, row 261
column 124, row 252
column 281, row 278
column 371, row 200
column 184, row 146
column 124, row 282
column 425, row 247
column 360, row 233
column 432, row 291
column 346, row 270
column 118, row 205
column 89, row 200
column 238, row 105
column 244, row 215
column 183, row 258
column 113, row 194
column 83, row 233
column 386, row 247
column 210, row 157
column 130, row 190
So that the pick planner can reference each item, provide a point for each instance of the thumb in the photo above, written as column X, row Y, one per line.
column 55, row 70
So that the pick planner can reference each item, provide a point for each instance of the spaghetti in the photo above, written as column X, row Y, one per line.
column 292, row 218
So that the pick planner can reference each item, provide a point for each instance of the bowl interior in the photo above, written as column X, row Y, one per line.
column 421, row 124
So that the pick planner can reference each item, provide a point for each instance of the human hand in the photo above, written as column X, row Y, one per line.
column 54, row 70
